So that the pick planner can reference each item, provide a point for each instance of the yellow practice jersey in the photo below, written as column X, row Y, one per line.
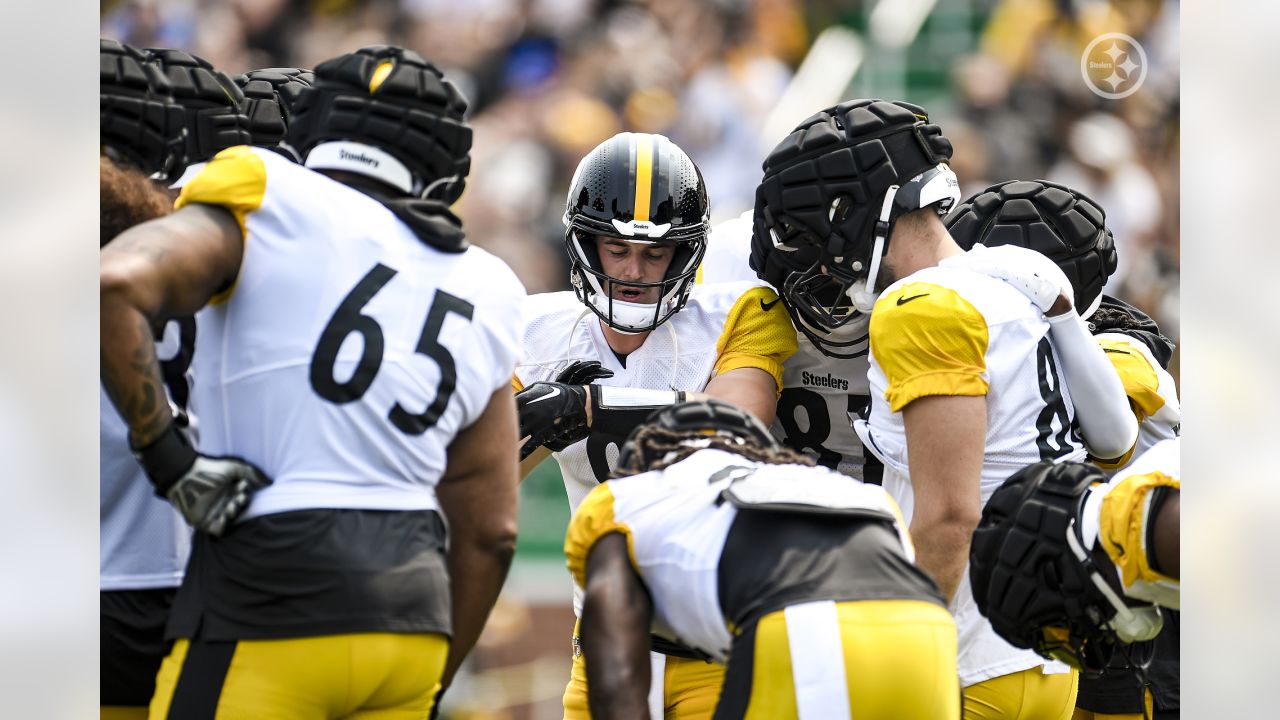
column 348, row 353
column 951, row 331
column 821, row 395
column 1151, row 391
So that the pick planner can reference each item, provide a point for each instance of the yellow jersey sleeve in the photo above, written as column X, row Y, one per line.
column 235, row 179
column 593, row 520
column 1141, row 383
column 758, row 333
column 928, row 341
column 1123, row 526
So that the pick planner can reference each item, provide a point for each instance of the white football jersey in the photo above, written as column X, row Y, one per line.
column 951, row 331
column 143, row 540
column 1151, row 390
column 821, row 395
column 349, row 353
column 723, row 327
column 676, row 524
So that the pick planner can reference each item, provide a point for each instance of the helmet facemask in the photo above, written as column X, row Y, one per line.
column 596, row 289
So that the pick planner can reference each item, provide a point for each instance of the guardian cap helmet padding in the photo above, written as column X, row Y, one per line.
column 838, row 182
column 1062, row 224
column 638, row 188
column 214, row 106
column 269, row 97
column 705, row 418
column 1035, row 580
column 139, row 123
column 387, row 113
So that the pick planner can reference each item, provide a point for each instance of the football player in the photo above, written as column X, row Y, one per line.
column 964, row 379
column 143, row 540
column 1069, row 228
column 373, row 350
column 798, row 577
column 634, row 335
column 1074, row 566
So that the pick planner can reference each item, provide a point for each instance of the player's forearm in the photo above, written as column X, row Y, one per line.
column 478, row 566
column 942, row 549
column 1102, row 408
column 130, row 369
column 616, row 611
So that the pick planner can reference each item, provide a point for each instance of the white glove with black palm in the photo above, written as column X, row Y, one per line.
column 210, row 492
column 1034, row 275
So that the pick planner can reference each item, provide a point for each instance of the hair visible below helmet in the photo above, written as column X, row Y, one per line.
column 269, row 97
column 386, row 113
column 1062, row 224
column 214, row 106
column 839, row 182
column 1033, row 578
column 139, row 123
column 638, row 188
column 691, row 425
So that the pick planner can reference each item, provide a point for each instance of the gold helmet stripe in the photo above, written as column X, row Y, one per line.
column 379, row 75
column 644, row 175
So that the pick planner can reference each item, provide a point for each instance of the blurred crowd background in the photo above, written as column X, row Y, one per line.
column 724, row 79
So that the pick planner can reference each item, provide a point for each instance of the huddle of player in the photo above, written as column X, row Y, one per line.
column 943, row 396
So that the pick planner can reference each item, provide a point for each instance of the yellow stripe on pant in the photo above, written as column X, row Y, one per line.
column 896, row 660
column 361, row 676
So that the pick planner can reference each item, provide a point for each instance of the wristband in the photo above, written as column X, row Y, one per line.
column 166, row 459
column 617, row 411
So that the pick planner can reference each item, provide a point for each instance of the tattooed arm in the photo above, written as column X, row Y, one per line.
column 152, row 272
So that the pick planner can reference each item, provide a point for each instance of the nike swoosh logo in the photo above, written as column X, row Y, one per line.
column 905, row 300
column 768, row 306
column 554, row 392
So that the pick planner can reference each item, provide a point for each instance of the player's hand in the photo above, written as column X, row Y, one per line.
column 553, row 414
column 583, row 372
column 210, row 492
column 1034, row 275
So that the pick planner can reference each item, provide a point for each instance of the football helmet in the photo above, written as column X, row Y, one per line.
column 1034, row 578
column 269, row 97
column 213, row 105
column 638, row 188
column 139, row 122
column 704, row 418
column 816, row 302
column 1062, row 224
column 386, row 113
column 839, row 182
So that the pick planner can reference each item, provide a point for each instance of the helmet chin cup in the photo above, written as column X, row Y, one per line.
column 1130, row 623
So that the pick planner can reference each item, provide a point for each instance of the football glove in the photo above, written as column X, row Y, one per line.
column 583, row 372
column 553, row 414
column 210, row 492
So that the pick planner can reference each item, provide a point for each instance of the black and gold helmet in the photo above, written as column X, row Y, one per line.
column 638, row 188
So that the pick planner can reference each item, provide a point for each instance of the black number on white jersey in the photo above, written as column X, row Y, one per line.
column 348, row 319
column 174, row 369
column 819, row 421
column 1054, row 407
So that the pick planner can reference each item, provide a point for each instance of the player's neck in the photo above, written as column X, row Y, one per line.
column 622, row 343
column 928, row 245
